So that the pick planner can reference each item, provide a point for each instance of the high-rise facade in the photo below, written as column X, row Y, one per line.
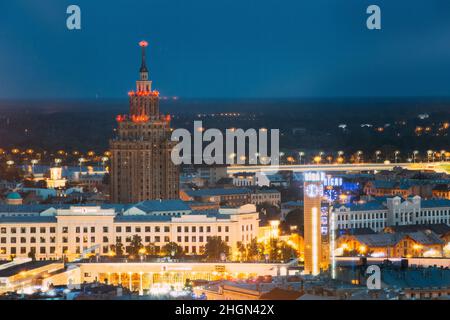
column 141, row 165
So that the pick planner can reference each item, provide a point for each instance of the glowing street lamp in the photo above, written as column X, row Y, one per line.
column 430, row 155
column 317, row 159
column 142, row 252
column 377, row 155
column 442, row 155
column 396, row 153
column 415, row 154
column 359, row 156
column 362, row 249
column 447, row 156
column 300, row 155
column 274, row 228
column 10, row 163
column 104, row 160
column 80, row 161
column 33, row 163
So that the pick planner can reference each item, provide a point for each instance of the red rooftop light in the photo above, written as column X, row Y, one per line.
column 143, row 43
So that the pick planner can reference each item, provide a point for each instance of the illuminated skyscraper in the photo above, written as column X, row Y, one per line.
column 141, row 165
column 313, row 192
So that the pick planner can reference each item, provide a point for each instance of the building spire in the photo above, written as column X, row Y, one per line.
column 143, row 70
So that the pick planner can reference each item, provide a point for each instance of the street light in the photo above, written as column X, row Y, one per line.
column 300, row 155
column 430, row 154
column 359, row 154
column 80, row 161
column 104, row 160
column 142, row 253
column 442, row 155
column 377, row 155
column 396, row 153
column 33, row 163
column 415, row 153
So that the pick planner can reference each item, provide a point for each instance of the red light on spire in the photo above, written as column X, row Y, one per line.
column 143, row 43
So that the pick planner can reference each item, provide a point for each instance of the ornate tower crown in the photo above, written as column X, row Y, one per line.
column 143, row 70
column 143, row 84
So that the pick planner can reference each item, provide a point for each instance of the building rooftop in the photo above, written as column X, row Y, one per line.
column 416, row 278
column 281, row 294
column 435, row 203
column 27, row 266
column 292, row 204
column 390, row 239
column 367, row 206
column 28, row 219
column 142, row 218
column 162, row 205
column 13, row 196
column 440, row 228
column 217, row 192
column 266, row 191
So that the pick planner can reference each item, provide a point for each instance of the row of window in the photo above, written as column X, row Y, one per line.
column 64, row 249
column 92, row 239
column 119, row 229
column 363, row 216
column 23, row 250
column 24, row 230
column 372, row 224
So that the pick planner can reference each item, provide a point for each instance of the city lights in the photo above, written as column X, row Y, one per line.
column 253, row 175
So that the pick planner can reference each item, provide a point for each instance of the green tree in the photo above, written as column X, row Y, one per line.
column 254, row 250
column 273, row 248
column 32, row 255
column 150, row 249
column 136, row 245
column 286, row 252
column 117, row 249
column 173, row 250
column 242, row 250
column 215, row 247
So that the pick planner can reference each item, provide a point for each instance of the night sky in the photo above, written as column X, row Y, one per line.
column 225, row 48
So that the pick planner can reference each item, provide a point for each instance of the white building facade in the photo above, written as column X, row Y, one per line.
column 76, row 230
column 392, row 212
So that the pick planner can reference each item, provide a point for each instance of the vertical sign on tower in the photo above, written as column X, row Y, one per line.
column 313, row 193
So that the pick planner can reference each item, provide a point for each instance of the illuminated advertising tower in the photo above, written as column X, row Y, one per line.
column 141, row 165
column 313, row 192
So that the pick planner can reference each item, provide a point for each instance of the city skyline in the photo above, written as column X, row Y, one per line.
column 183, row 195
